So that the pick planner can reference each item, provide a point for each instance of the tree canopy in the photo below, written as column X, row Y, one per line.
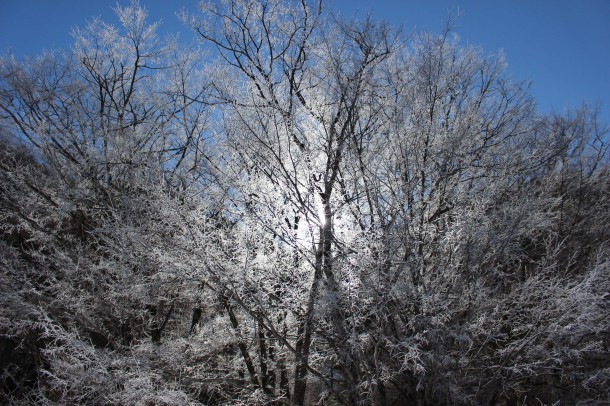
column 300, row 210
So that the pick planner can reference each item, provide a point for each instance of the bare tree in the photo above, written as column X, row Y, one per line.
column 325, row 210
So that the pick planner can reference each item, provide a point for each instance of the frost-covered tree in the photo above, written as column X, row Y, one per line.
column 104, row 148
column 320, row 211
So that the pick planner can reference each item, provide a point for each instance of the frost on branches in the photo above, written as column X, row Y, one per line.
column 313, row 211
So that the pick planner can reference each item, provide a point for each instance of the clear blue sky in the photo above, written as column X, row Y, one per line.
column 563, row 46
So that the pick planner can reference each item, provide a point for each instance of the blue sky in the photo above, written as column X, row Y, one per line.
column 562, row 46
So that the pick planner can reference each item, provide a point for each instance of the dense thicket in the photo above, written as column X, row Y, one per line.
column 318, row 211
